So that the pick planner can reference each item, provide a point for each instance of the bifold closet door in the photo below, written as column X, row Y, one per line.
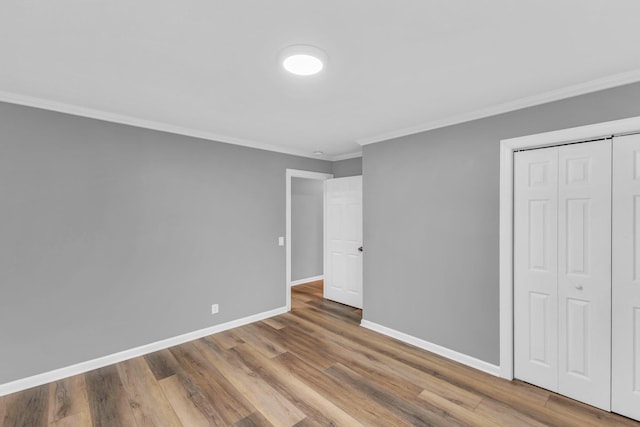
column 625, row 381
column 562, row 270
column 536, row 267
column 584, row 272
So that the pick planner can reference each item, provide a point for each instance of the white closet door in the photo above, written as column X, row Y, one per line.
column 584, row 265
column 535, row 267
column 343, row 245
column 625, row 393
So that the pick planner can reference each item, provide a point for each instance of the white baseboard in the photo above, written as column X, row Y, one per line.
column 434, row 348
column 100, row 362
column 307, row 280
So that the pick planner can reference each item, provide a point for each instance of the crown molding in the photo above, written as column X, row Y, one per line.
column 92, row 113
column 550, row 96
column 530, row 101
column 347, row 156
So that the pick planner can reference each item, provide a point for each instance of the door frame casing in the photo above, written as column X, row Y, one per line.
column 290, row 174
column 507, row 148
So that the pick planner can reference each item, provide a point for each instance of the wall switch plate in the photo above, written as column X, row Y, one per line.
column 280, row 241
column 214, row 308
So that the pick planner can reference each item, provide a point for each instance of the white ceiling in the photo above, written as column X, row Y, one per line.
column 209, row 68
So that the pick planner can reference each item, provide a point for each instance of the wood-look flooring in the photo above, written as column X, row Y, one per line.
column 314, row 366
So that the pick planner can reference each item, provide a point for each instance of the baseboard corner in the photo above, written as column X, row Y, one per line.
column 307, row 280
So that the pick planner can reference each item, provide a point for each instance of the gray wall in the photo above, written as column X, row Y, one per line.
column 114, row 237
column 307, row 212
column 348, row 167
column 431, row 221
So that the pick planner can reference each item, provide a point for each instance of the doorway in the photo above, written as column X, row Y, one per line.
column 302, row 186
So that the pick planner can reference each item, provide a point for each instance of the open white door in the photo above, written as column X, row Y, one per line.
column 343, row 245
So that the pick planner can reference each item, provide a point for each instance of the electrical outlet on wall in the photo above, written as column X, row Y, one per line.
column 214, row 308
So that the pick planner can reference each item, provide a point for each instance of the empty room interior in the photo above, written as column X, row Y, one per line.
column 305, row 213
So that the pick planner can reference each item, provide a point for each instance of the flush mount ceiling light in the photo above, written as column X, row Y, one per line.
column 303, row 60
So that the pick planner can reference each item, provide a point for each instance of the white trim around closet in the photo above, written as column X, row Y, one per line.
column 507, row 148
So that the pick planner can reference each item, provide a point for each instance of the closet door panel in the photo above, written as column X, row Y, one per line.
column 625, row 393
column 584, row 272
column 535, row 267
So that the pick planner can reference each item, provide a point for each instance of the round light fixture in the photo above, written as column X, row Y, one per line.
column 303, row 60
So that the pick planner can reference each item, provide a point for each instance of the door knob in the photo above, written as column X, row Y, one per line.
column 360, row 249
column 578, row 286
